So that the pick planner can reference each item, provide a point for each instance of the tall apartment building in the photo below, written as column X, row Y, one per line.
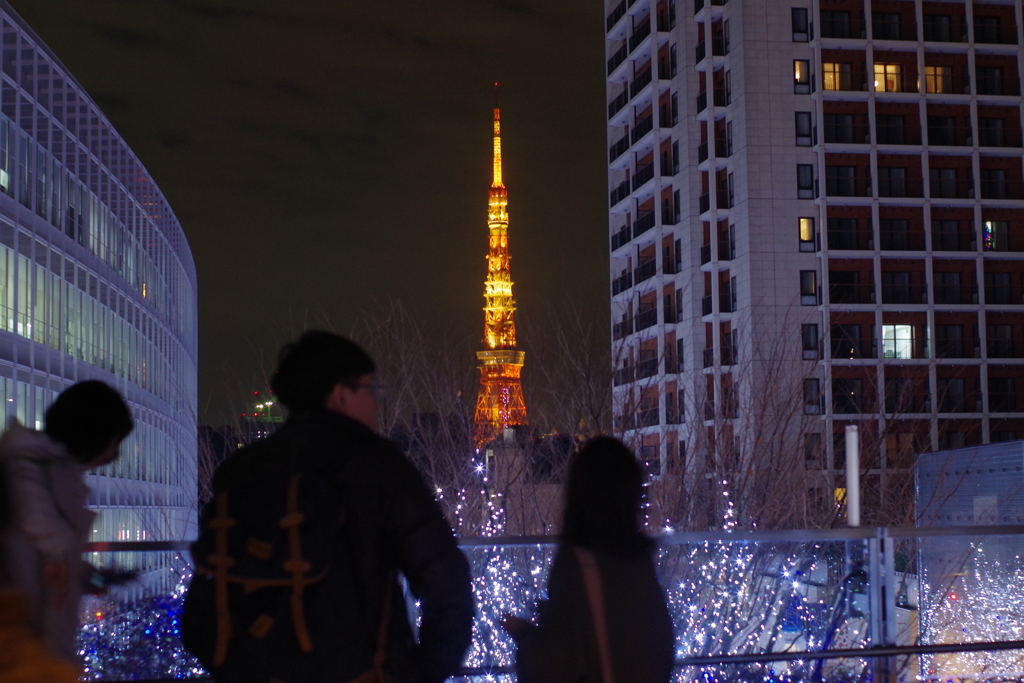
column 815, row 203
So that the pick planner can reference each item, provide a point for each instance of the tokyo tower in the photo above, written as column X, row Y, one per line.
column 499, row 403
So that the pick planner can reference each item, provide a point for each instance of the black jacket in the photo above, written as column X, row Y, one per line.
column 394, row 524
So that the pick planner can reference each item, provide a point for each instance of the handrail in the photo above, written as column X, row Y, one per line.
column 674, row 538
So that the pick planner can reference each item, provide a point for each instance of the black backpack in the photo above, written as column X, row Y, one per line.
column 275, row 598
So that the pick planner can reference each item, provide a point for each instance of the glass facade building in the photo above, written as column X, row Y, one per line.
column 96, row 282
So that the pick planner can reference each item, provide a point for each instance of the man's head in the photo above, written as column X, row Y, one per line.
column 91, row 420
column 324, row 370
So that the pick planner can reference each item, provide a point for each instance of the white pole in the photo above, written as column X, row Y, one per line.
column 852, row 476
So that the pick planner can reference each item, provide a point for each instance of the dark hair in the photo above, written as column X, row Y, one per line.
column 87, row 417
column 308, row 369
column 602, row 500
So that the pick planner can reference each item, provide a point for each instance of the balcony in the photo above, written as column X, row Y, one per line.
column 623, row 375
column 647, row 368
column 904, row 293
column 702, row 153
column 1006, row 348
column 950, row 188
column 647, row 417
column 1003, row 402
column 999, row 137
column 698, row 5
column 950, row 136
column 617, row 13
column 847, row 134
column 901, row 240
column 730, row 355
column 702, row 101
column 642, row 128
column 643, row 176
column 840, row 26
column 616, row 105
column 950, row 348
column 669, row 167
column 898, row 135
column 850, row 240
column 647, row 317
column 851, row 349
column 618, row 58
column 993, row 85
column 722, row 97
column 638, row 83
column 619, row 193
column 899, row 187
column 893, row 30
column 621, row 238
column 641, row 32
column 844, row 293
column 726, row 246
column 947, row 84
column 847, row 185
column 622, row 329
column 643, row 224
column 995, row 34
column 953, row 294
column 723, row 150
column 705, row 254
column 645, row 271
column 724, row 199
column 622, row 283
column 619, row 148
column 1001, row 189
column 1002, row 295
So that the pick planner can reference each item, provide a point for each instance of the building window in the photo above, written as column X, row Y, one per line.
column 805, row 181
column 945, row 235
column 990, row 80
column 812, row 397
column 725, row 37
column 898, row 341
column 803, row 129
column 892, row 181
column 802, row 76
column 842, row 233
column 801, row 29
column 885, row 26
column 809, row 337
column 951, row 440
column 847, row 395
column 889, row 130
column 937, row 27
column 839, row 128
column 949, row 341
column 1002, row 395
column 728, row 88
column 807, row 234
column 951, row 395
column 991, row 132
column 840, row 181
column 986, row 30
column 993, row 183
column 835, row 24
column 808, row 288
column 812, row 451
column 938, row 79
column 894, row 233
column 837, row 76
column 888, row 77
column 994, row 235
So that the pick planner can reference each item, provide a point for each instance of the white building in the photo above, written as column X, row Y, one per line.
column 822, row 200
column 96, row 282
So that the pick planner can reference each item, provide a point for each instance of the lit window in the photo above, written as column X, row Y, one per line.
column 994, row 235
column 802, row 76
column 888, row 77
column 806, row 234
column 836, row 76
column 937, row 79
column 898, row 341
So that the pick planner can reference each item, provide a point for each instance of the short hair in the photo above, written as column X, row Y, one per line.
column 87, row 418
column 602, row 500
column 308, row 369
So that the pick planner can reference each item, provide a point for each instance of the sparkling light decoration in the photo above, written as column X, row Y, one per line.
column 499, row 403
column 978, row 597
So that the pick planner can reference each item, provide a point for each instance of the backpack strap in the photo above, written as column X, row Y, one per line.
column 221, row 562
column 592, row 581
column 295, row 564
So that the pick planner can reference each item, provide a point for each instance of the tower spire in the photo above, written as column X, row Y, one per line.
column 500, row 403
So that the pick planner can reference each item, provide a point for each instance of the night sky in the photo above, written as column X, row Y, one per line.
column 325, row 157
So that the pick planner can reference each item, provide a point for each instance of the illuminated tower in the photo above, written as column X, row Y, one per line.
column 499, row 403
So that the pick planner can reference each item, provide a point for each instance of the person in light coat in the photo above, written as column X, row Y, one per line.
column 45, row 471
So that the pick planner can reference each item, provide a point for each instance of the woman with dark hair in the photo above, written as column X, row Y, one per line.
column 605, row 618
column 45, row 475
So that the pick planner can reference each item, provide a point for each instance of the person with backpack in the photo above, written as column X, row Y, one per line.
column 45, row 470
column 606, row 619
column 300, row 550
